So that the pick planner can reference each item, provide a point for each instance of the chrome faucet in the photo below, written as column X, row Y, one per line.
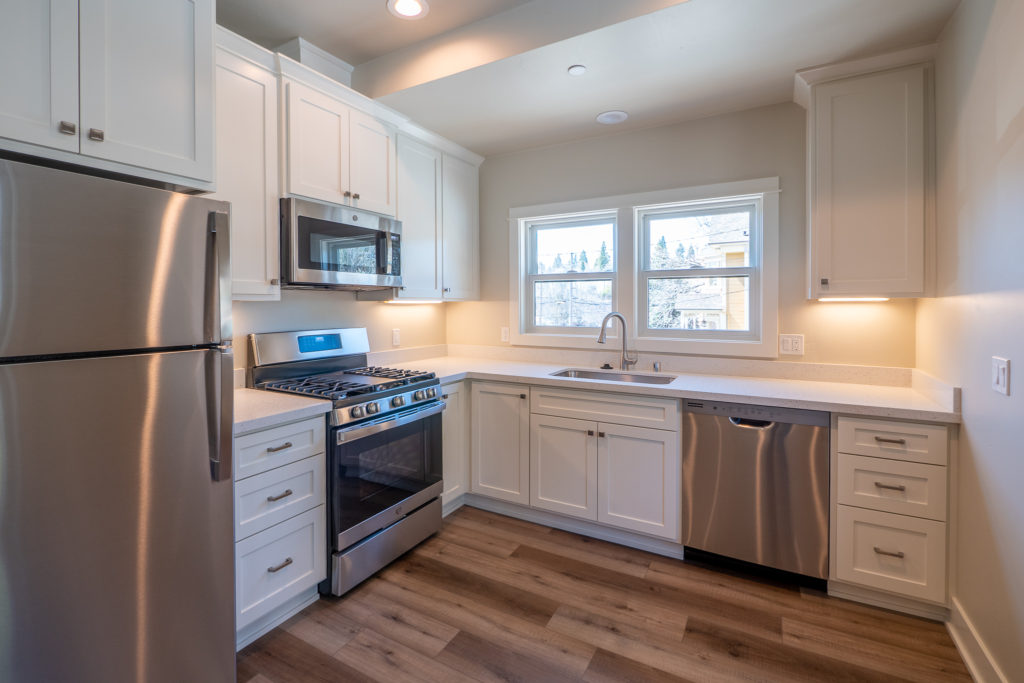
column 626, row 359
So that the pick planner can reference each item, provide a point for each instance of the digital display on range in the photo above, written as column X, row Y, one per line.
column 319, row 342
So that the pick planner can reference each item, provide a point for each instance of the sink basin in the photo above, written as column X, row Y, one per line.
column 614, row 376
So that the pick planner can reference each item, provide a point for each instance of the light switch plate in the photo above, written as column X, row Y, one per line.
column 396, row 337
column 1001, row 375
column 791, row 344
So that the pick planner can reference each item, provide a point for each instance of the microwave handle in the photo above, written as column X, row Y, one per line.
column 388, row 253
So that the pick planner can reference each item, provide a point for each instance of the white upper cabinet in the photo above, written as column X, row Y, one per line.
column 39, row 50
column 247, row 168
column 419, row 209
column 461, row 217
column 120, row 85
column 336, row 153
column 868, row 176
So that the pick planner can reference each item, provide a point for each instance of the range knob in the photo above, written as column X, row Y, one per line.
column 419, row 395
column 372, row 408
column 356, row 412
column 398, row 401
column 431, row 393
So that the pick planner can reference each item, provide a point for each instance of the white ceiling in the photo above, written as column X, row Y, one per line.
column 491, row 74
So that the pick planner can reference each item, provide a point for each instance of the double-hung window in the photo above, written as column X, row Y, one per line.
column 570, row 278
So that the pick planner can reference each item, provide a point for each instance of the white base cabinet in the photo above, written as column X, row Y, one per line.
column 455, row 440
column 501, row 441
column 563, row 465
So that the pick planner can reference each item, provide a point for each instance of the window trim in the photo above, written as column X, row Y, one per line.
column 626, row 277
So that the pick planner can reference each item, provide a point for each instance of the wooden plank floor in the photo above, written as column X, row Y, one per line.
column 492, row 598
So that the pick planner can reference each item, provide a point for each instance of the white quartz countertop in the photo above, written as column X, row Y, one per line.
column 256, row 410
column 851, row 399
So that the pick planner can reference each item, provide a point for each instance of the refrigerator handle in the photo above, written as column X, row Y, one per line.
column 218, row 279
column 220, row 410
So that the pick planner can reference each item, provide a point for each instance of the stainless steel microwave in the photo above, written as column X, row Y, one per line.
column 329, row 246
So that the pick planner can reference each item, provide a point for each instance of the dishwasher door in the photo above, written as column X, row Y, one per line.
column 755, row 484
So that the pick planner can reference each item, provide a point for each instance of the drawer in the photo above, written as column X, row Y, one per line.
column 905, row 488
column 896, row 440
column 263, row 500
column 904, row 555
column 270, row 448
column 275, row 565
column 598, row 406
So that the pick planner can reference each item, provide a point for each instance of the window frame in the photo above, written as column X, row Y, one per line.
column 628, row 285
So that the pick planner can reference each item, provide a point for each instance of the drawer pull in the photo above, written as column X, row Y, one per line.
column 888, row 553
column 274, row 499
column 288, row 561
column 590, row 432
column 600, row 434
column 882, row 439
column 522, row 395
column 275, row 449
column 891, row 487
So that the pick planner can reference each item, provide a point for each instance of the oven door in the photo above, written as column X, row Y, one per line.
column 331, row 246
column 378, row 472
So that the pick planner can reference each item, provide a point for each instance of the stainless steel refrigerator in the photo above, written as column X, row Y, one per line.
column 116, row 532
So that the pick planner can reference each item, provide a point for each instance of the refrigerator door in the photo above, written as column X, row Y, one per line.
column 116, row 547
column 90, row 264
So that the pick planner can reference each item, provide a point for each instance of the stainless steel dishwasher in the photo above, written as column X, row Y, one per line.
column 755, row 484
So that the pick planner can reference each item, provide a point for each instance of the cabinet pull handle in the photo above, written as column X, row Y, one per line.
column 96, row 134
column 882, row 439
column 274, row 570
column 824, row 282
column 275, row 449
column 444, row 397
column 447, row 289
column 355, row 195
column 891, row 487
column 346, row 193
column 522, row 395
column 274, row 499
column 600, row 435
column 889, row 553
column 590, row 432
column 67, row 127
column 275, row 281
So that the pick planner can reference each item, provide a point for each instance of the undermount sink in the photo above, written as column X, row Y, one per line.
column 614, row 376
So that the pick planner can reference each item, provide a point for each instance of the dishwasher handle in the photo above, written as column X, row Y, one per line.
column 746, row 423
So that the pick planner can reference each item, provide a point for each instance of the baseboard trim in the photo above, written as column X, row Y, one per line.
column 972, row 648
column 450, row 506
column 576, row 526
column 885, row 600
column 275, row 617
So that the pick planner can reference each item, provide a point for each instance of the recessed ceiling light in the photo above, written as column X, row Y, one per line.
column 408, row 9
column 612, row 117
column 577, row 70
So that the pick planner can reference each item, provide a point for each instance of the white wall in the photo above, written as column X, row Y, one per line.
column 980, row 309
column 421, row 325
column 769, row 141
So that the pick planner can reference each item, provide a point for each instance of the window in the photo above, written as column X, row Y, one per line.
column 570, row 281
column 694, row 270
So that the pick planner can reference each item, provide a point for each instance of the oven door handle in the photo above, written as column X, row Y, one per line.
column 355, row 433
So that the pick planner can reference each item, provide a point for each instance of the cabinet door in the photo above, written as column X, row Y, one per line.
column 455, row 439
column 419, row 209
column 461, row 215
column 317, row 145
column 247, row 174
column 39, row 50
column 868, row 185
column 372, row 163
column 639, row 478
column 500, row 437
column 563, row 465
column 147, row 84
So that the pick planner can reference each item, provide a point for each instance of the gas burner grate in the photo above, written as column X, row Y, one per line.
column 319, row 387
column 391, row 373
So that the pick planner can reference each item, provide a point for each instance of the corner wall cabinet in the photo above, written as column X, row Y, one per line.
column 280, row 523
column 869, row 151
column 461, row 211
column 123, row 86
column 247, row 167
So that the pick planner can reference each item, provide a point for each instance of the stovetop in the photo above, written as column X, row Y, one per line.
column 350, row 385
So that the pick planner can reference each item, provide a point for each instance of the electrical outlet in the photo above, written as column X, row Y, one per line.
column 1000, row 375
column 791, row 344
column 504, row 334
column 396, row 337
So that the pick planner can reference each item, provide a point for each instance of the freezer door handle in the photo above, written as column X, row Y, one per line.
column 220, row 411
column 217, row 327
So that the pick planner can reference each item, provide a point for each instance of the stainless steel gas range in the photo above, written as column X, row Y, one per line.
column 384, row 444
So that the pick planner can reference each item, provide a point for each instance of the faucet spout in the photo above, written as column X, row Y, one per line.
column 626, row 359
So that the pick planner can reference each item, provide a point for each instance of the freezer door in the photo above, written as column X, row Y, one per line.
column 91, row 264
column 116, row 548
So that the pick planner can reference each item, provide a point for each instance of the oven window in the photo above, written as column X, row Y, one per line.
column 325, row 245
column 372, row 474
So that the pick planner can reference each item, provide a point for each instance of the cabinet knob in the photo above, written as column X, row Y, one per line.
column 355, row 195
column 96, row 134
column 447, row 289
column 275, row 281
column 522, row 395
column 346, row 193
column 824, row 282
column 600, row 435
column 590, row 432
column 67, row 127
